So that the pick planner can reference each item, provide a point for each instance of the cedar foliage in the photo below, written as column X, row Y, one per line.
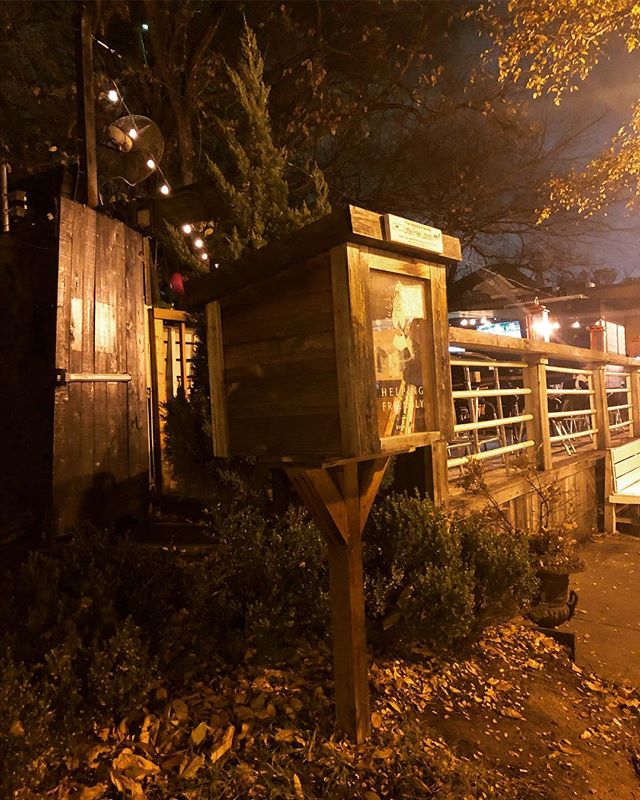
column 257, row 193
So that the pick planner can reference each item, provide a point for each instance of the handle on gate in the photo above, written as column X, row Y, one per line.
column 63, row 377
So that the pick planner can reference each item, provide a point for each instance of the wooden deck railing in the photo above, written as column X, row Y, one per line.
column 552, row 400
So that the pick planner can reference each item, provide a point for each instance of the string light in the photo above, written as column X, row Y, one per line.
column 164, row 189
column 151, row 163
column 576, row 324
column 216, row 265
column 133, row 133
column 464, row 322
column 556, row 326
column 204, row 256
column 186, row 228
column 145, row 26
column 198, row 243
column 113, row 95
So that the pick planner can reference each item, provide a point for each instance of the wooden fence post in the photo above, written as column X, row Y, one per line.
column 536, row 404
column 599, row 385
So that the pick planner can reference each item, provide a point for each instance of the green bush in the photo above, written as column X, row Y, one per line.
column 504, row 573
column 265, row 582
column 435, row 579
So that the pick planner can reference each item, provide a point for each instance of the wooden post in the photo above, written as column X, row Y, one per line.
column 339, row 500
column 599, row 386
column 88, row 160
column 537, row 404
column 439, row 473
column 634, row 381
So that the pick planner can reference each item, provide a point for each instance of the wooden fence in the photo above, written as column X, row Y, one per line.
column 172, row 337
column 562, row 405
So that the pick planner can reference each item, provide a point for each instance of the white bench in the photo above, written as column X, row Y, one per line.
column 622, row 487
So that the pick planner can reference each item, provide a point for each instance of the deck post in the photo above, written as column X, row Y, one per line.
column 537, row 404
column 599, row 385
column 634, row 382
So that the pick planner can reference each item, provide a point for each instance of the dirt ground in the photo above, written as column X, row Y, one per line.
column 542, row 723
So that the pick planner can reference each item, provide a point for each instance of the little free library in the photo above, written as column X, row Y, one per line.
column 328, row 354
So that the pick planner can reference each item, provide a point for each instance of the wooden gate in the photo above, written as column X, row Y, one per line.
column 100, row 447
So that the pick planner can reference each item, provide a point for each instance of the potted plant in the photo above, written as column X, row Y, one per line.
column 555, row 555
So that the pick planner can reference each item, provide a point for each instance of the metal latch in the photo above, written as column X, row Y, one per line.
column 63, row 378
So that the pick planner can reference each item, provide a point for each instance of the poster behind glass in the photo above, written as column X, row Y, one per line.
column 399, row 324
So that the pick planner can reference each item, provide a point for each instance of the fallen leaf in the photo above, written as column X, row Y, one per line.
column 284, row 735
column 225, row 746
column 376, row 719
column 512, row 713
column 199, row 733
column 133, row 765
column 190, row 768
column 568, row 750
column 92, row 792
column 297, row 787
column 181, row 710
column 383, row 753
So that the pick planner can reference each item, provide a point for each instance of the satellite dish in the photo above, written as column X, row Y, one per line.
column 132, row 146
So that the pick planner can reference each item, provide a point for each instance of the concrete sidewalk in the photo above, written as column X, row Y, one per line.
column 607, row 620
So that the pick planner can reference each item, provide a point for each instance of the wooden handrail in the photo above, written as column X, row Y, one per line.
column 507, row 345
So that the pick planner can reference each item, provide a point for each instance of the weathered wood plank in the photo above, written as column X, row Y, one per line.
column 370, row 223
column 287, row 356
column 279, row 316
column 277, row 397
column 219, row 420
column 135, row 346
column 314, row 436
column 441, row 402
column 494, row 343
column 61, row 490
column 354, row 356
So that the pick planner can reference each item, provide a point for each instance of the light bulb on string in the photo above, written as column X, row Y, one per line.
column 198, row 243
column 186, row 228
column 151, row 163
column 164, row 189
column 133, row 133
column 113, row 95
column 204, row 256
column 145, row 26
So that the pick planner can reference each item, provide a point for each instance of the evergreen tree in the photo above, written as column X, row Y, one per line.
column 257, row 193
column 258, row 197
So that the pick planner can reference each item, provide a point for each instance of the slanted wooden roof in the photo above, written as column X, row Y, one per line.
column 346, row 224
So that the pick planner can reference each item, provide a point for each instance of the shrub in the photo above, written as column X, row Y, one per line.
column 416, row 580
column 504, row 574
column 265, row 582
column 435, row 578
